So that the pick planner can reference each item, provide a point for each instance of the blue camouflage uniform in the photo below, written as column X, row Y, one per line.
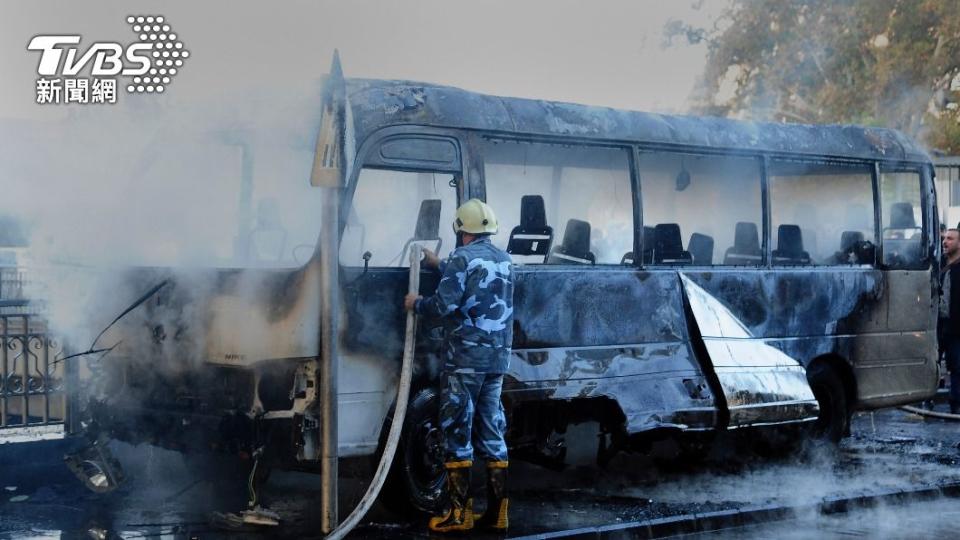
column 475, row 300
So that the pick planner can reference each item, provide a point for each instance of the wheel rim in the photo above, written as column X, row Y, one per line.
column 425, row 458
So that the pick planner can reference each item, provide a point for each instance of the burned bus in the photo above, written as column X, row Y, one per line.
column 674, row 276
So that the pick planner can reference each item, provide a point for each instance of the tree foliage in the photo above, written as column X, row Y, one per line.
column 893, row 63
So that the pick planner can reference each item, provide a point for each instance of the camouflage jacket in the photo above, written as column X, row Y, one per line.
column 475, row 300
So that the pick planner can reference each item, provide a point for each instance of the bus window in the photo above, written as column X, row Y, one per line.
column 701, row 210
column 821, row 213
column 902, row 219
column 383, row 216
column 560, row 204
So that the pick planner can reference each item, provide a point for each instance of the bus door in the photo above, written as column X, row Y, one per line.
column 900, row 365
column 406, row 193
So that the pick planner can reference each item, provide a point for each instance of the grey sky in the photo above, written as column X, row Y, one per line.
column 603, row 53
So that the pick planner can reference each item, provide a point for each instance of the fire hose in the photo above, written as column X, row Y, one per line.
column 931, row 414
column 400, row 410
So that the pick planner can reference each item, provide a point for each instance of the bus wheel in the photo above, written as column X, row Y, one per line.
column 834, row 419
column 416, row 480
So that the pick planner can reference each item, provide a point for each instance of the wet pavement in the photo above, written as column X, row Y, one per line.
column 927, row 519
column 173, row 496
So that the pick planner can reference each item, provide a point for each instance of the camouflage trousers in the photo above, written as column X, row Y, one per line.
column 471, row 416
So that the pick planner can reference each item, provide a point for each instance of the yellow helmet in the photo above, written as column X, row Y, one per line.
column 475, row 217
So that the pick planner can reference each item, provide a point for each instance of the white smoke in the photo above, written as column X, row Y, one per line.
column 156, row 181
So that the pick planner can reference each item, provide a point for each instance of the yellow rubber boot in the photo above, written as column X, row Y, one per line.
column 496, row 516
column 460, row 515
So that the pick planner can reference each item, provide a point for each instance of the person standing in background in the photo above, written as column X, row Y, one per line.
column 948, row 325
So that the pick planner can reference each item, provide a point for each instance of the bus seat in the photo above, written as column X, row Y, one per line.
column 790, row 246
column 701, row 248
column 901, row 216
column 533, row 236
column 849, row 241
column 900, row 247
column 668, row 246
column 746, row 246
column 427, row 228
column 648, row 245
column 575, row 248
column 629, row 258
column 853, row 249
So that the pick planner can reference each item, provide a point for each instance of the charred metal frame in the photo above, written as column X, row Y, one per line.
column 469, row 128
column 467, row 188
column 329, row 365
column 574, row 372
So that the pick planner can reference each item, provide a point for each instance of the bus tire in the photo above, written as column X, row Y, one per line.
column 834, row 420
column 416, row 482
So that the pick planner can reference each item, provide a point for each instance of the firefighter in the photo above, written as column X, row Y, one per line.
column 475, row 301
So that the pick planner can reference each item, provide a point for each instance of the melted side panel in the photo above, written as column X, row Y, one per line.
column 656, row 385
column 621, row 333
column 578, row 333
column 608, row 332
column 761, row 384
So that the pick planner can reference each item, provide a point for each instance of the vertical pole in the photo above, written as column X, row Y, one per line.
column 25, row 371
column 329, row 294
column 329, row 173
column 71, row 392
column 46, row 377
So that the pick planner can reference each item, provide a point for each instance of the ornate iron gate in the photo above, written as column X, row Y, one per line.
column 33, row 385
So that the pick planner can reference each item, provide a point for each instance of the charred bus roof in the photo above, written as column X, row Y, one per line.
column 380, row 103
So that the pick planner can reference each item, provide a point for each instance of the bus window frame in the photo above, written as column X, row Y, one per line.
column 928, row 197
column 375, row 140
column 929, row 174
column 927, row 219
column 477, row 139
column 765, row 244
column 473, row 183
column 761, row 160
column 872, row 165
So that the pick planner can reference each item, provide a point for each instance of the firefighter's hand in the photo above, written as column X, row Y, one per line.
column 430, row 259
column 409, row 301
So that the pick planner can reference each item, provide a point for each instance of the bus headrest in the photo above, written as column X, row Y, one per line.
column 746, row 239
column 532, row 212
column 576, row 238
column 849, row 240
column 428, row 221
column 667, row 238
column 901, row 216
column 701, row 248
column 789, row 240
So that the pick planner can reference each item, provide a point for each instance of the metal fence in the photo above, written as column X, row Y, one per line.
column 32, row 381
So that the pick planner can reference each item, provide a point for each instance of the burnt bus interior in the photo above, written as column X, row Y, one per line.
column 675, row 277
